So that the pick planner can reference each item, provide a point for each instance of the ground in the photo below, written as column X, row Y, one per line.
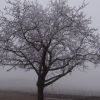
column 6, row 95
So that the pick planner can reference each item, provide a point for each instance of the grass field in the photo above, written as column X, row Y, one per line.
column 26, row 96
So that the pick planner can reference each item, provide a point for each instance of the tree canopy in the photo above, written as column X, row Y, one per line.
column 53, row 41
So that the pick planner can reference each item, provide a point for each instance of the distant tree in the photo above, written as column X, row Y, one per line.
column 52, row 41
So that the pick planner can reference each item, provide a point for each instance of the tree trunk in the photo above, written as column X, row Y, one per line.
column 40, row 92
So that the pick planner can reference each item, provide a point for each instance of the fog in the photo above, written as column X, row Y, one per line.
column 86, row 82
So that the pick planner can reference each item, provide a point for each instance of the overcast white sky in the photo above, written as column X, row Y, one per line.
column 88, row 80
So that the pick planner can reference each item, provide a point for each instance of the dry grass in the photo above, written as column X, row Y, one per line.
column 25, row 96
column 16, row 96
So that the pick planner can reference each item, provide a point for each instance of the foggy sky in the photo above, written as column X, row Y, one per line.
column 78, row 80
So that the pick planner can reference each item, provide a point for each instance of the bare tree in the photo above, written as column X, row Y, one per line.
column 53, row 41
